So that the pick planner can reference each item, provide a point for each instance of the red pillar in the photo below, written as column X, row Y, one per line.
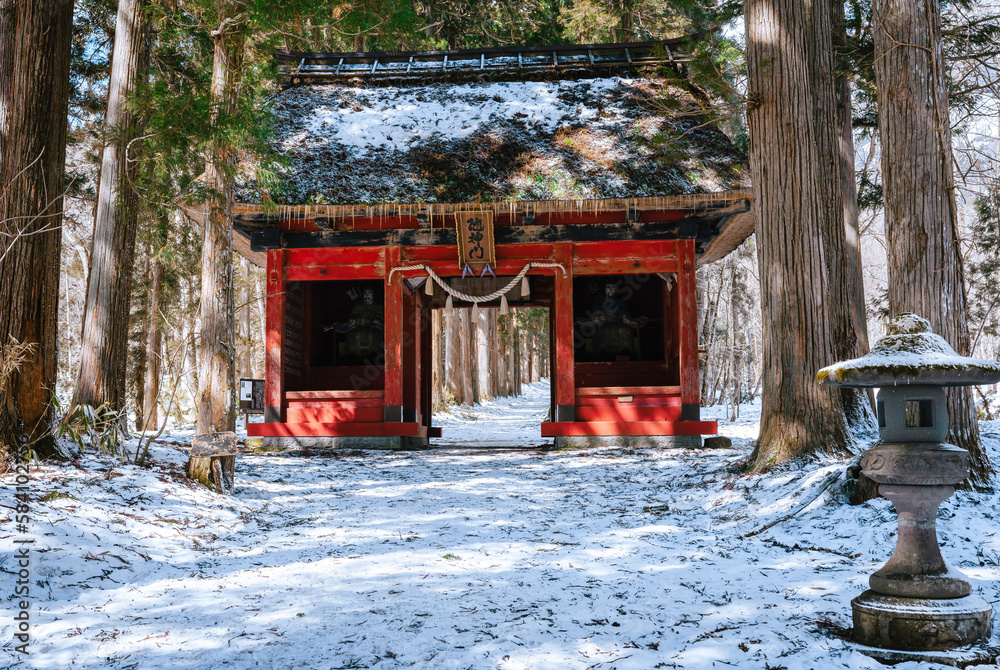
column 412, row 381
column 426, row 361
column 274, row 374
column 393, row 337
column 565, row 373
column 688, row 317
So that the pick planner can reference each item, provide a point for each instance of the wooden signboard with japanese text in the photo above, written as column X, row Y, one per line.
column 475, row 239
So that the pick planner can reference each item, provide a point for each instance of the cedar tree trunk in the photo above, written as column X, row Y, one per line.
column 35, row 41
column 154, row 347
column 795, row 165
column 453, row 363
column 217, row 399
column 104, row 348
column 926, row 270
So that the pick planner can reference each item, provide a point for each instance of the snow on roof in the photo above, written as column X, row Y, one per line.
column 911, row 354
column 501, row 141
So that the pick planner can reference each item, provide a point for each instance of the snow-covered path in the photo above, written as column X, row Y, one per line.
column 456, row 558
column 503, row 422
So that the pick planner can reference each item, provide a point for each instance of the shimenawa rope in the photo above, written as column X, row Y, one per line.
column 476, row 299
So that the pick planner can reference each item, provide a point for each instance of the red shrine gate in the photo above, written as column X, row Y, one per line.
column 348, row 331
column 547, row 144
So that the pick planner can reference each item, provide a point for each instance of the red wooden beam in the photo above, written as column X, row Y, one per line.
column 526, row 250
column 373, row 256
column 565, row 380
column 637, row 391
column 626, row 249
column 296, row 413
column 332, row 395
column 326, row 272
column 375, row 429
column 623, row 266
column 274, row 374
column 611, row 428
column 393, row 338
column 626, row 412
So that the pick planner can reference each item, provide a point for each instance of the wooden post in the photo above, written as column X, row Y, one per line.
column 393, row 338
column 565, row 374
column 427, row 360
column 671, row 332
column 274, row 372
column 687, row 315
column 411, row 363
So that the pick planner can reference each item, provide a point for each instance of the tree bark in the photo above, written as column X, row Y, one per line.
column 217, row 393
column 492, row 342
column 453, row 344
column 502, row 370
column 798, row 201
column 139, row 365
column 848, row 180
column 736, row 392
column 216, row 390
column 104, row 346
column 926, row 268
column 516, row 341
column 466, row 362
column 473, row 362
column 154, row 347
column 843, row 240
column 440, row 357
column 35, row 41
column 247, row 334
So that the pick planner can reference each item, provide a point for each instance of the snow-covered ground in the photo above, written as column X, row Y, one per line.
column 462, row 558
column 497, row 423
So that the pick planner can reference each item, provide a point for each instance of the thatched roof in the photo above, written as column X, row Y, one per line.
column 606, row 137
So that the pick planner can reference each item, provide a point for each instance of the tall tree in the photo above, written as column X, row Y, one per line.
column 35, row 41
column 101, row 377
column 154, row 333
column 217, row 399
column 800, row 228
column 217, row 378
column 926, row 269
column 848, row 182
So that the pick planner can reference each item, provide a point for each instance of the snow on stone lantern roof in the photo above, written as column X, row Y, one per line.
column 497, row 141
column 911, row 354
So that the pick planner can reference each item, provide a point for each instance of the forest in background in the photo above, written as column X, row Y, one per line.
column 172, row 125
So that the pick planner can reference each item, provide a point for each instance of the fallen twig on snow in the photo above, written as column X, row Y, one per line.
column 826, row 485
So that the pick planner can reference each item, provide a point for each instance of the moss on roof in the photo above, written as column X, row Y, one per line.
column 500, row 141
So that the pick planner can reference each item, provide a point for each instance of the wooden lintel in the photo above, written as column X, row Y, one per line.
column 697, row 229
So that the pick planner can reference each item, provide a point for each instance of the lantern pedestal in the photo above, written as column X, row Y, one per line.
column 918, row 607
column 917, row 601
column 916, row 624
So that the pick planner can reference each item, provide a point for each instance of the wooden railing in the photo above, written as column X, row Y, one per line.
column 302, row 67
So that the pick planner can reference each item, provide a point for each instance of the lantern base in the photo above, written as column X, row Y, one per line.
column 957, row 658
column 920, row 624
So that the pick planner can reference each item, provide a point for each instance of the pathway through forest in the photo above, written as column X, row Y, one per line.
column 501, row 422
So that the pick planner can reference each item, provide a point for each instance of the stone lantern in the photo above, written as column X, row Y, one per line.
column 917, row 602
